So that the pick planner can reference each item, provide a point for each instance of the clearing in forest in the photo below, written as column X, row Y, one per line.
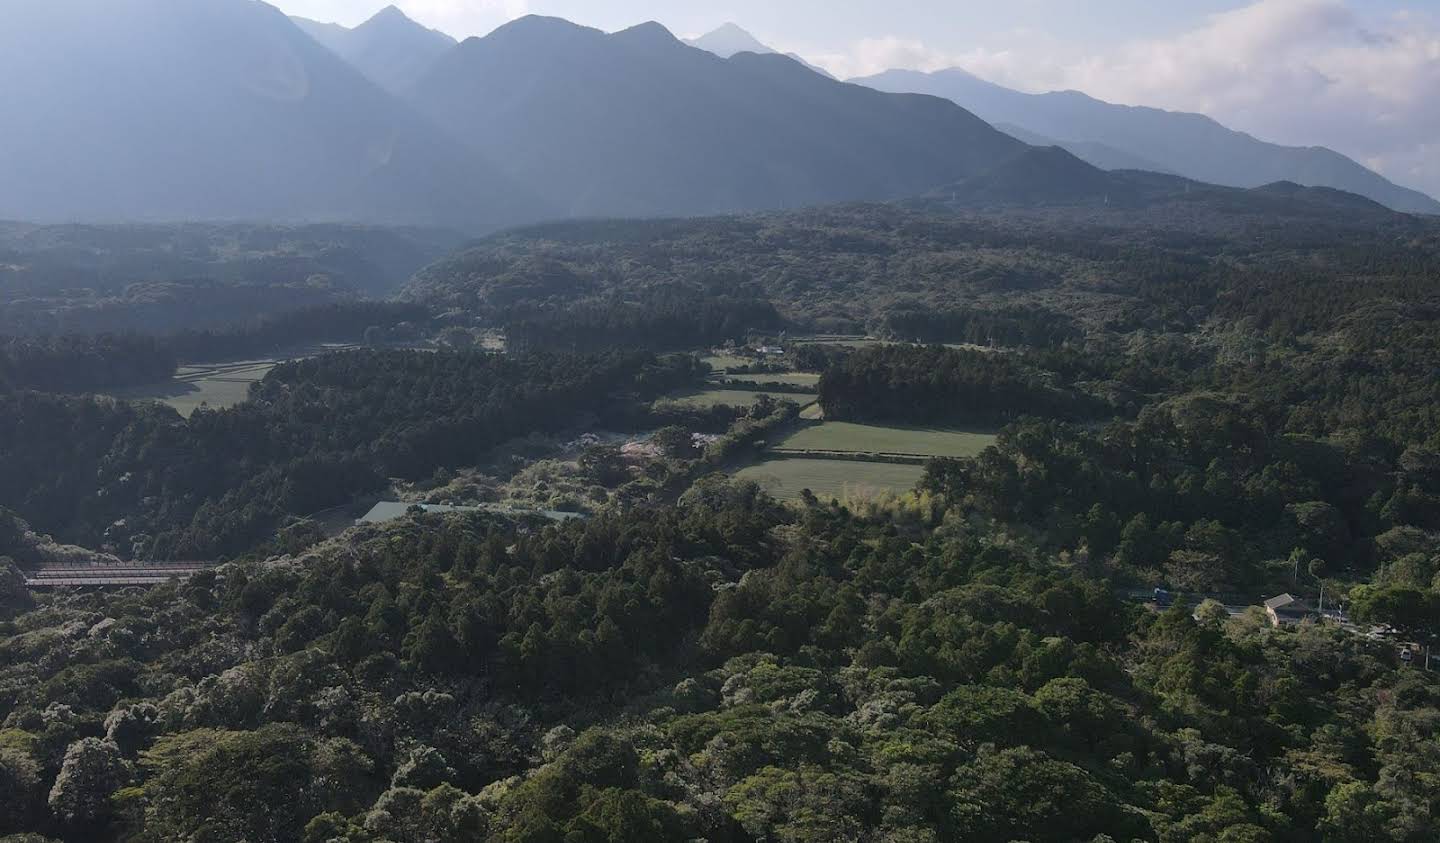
column 847, row 437
column 736, row 397
column 807, row 380
column 831, row 479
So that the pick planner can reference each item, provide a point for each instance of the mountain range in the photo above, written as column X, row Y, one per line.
column 227, row 110
column 1053, row 177
column 156, row 110
column 636, row 123
column 1118, row 136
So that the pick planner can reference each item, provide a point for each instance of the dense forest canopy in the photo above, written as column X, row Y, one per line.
column 1176, row 266
column 721, row 669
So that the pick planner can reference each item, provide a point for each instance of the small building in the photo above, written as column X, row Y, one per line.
column 1289, row 610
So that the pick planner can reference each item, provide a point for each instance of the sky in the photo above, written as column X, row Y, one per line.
column 1359, row 76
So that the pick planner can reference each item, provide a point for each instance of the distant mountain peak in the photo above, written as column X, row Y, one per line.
column 729, row 39
column 534, row 26
column 671, row 130
column 393, row 19
column 391, row 48
column 649, row 32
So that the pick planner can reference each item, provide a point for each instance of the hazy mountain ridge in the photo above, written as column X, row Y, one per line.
column 391, row 50
column 1053, row 177
column 1098, row 154
column 162, row 110
column 729, row 39
column 1192, row 145
column 638, row 123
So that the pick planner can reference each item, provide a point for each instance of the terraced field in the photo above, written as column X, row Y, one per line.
column 218, row 385
column 215, row 386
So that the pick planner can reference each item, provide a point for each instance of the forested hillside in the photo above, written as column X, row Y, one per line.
column 79, row 363
column 161, row 279
column 315, row 434
column 1283, row 260
column 1224, row 394
column 720, row 670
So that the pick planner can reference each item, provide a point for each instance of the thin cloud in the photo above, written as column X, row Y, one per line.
column 1303, row 72
column 463, row 18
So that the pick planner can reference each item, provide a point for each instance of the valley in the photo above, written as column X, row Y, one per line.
column 532, row 432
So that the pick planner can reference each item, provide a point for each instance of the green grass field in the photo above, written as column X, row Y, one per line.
column 787, row 478
column 215, row 386
column 734, row 397
column 864, row 438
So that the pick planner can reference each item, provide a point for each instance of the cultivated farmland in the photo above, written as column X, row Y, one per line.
column 213, row 385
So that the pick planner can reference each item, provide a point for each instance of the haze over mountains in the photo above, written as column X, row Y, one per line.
column 1053, row 177
column 221, row 110
column 1114, row 136
column 729, row 39
column 390, row 48
column 229, row 110
column 637, row 123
